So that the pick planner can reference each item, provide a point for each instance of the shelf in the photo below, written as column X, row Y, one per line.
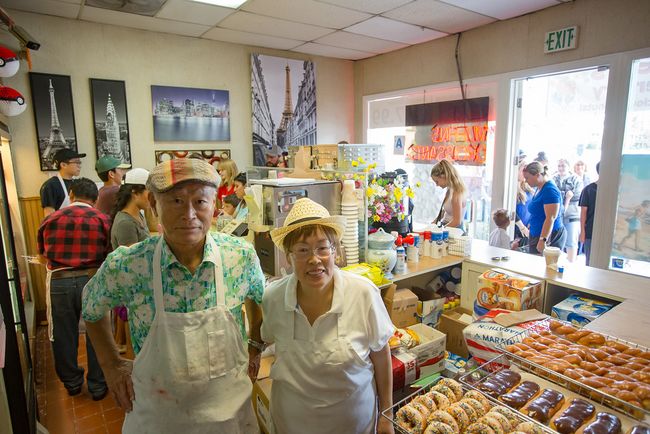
column 424, row 266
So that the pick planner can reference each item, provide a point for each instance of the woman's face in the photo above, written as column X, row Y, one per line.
column 313, row 261
column 562, row 168
column 142, row 199
column 521, row 173
column 239, row 189
column 532, row 180
column 441, row 181
column 579, row 168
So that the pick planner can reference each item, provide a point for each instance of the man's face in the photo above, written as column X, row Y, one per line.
column 185, row 212
column 118, row 175
column 71, row 168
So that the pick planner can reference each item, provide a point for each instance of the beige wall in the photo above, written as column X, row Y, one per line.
column 141, row 58
column 605, row 27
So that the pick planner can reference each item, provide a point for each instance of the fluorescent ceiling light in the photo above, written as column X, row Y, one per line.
column 234, row 4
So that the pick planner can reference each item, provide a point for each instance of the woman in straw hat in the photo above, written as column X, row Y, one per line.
column 330, row 330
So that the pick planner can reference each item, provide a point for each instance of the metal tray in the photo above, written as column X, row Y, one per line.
column 388, row 413
column 596, row 395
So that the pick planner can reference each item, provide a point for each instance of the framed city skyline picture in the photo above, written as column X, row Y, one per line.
column 212, row 156
column 183, row 114
column 110, row 119
column 53, row 115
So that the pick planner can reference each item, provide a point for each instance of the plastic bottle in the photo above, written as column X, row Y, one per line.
column 436, row 244
column 426, row 244
column 445, row 241
column 400, row 265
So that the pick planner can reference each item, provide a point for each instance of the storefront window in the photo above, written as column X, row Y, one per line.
column 631, row 246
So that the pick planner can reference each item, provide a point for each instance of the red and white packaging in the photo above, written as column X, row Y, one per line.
column 405, row 369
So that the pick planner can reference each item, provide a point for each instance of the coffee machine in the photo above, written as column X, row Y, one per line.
column 279, row 196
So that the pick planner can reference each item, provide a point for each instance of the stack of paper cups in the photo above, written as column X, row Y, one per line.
column 350, row 210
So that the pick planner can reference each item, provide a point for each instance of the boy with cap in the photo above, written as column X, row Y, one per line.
column 54, row 191
column 111, row 171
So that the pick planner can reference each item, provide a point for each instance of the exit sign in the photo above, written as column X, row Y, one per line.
column 560, row 40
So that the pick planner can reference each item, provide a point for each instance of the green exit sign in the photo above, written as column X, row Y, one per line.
column 560, row 40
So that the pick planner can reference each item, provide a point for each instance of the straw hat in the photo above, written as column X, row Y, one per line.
column 307, row 212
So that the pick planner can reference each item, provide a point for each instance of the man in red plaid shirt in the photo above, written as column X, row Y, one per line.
column 75, row 241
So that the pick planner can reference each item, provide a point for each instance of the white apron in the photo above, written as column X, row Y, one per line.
column 48, row 300
column 191, row 374
column 321, row 387
column 66, row 200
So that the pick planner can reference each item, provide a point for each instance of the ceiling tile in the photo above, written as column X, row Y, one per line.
column 140, row 7
column 273, row 26
column 329, row 51
column 237, row 37
column 193, row 12
column 306, row 11
column 359, row 42
column 47, row 7
column 502, row 9
column 370, row 6
column 106, row 16
column 384, row 28
column 439, row 16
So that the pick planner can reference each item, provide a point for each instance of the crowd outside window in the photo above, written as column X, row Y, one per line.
column 570, row 186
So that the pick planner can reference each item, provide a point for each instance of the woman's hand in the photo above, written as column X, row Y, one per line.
column 525, row 232
column 384, row 426
column 540, row 245
column 118, row 380
column 254, row 358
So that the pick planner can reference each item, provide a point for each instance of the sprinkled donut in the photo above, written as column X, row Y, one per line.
column 475, row 394
column 445, row 390
column 444, row 417
column 427, row 401
column 438, row 428
column 469, row 410
column 441, row 400
column 511, row 415
column 529, row 428
column 479, row 428
column 504, row 421
column 494, row 424
column 459, row 414
column 410, row 419
column 454, row 386
column 476, row 405
column 421, row 408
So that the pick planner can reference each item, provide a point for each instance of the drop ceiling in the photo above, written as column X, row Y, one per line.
column 346, row 29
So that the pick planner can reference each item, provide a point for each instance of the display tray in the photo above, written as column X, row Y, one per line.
column 594, row 394
column 390, row 412
column 486, row 371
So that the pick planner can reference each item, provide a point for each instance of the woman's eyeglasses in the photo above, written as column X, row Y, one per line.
column 322, row 252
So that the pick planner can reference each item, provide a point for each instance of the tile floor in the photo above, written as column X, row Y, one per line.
column 63, row 414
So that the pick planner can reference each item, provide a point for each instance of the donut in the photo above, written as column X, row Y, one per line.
column 410, row 419
column 574, row 359
column 454, row 386
column 554, row 324
column 479, row 428
column 441, row 400
column 529, row 428
column 511, row 415
column 472, row 415
column 592, row 340
column 445, row 390
column 494, row 424
column 599, row 354
column 476, row 405
column 459, row 414
column 475, row 394
column 633, row 351
column 427, row 401
column 439, row 428
column 421, row 408
column 617, row 345
column 565, row 330
column 577, row 335
column 444, row 417
column 503, row 421
column 609, row 350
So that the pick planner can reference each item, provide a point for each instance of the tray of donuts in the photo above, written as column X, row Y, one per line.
column 447, row 407
column 606, row 369
column 547, row 403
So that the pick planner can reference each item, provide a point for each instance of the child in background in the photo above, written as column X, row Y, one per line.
column 228, row 208
column 499, row 237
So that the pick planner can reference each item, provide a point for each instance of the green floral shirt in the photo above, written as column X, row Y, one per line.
column 126, row 278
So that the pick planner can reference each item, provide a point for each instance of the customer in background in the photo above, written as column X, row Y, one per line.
column 545, row 207
column 241, row 212
column 542, row 158
column 54, row 191
column 452, row 211
column 184, row 290
column 587, row 211
column 634, row 223
column 227, row 170
column 330, row 330
column 580, row 169
column 522, row 219
column 570, row 187
column 228, row 210
column 75, row 241
column 111, row 171
column 499, row 236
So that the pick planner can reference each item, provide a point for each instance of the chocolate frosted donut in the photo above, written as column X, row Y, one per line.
column 544, row 406
column 500, row 383
column 520, row 395
column 605, row 423
column 575, row 415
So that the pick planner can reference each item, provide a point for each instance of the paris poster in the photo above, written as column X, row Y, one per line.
column 53, row 115
column 110, row 119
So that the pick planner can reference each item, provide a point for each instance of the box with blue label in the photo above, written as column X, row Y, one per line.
column 579, row 311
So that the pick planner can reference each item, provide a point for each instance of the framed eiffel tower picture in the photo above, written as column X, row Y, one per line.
column 111, row 120
column 53, row 115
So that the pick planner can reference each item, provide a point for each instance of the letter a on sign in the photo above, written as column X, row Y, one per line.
column 398, row 145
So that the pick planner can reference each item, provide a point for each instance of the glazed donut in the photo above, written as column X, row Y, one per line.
column 605, row 364
column 475, row 394
column 439, row 428
column 577, row 335
column 637, row 367
column 599, row 354
column 493, row 423
column 554, row 353
column 601, row 372
column 472, row 415
column 592, row 339
column 441, row 400
column 609, row 350
column 589, row 366
column 454, row 386
column 644, row 377
column 639, row 360
column 444, row 417
column 545, row 341
column 633, row 351
column 422, row 409
column 624, row 385
column 503, row 421
column 628, row 357
column 616, row 360
column 476, row 405
column 584, row 372
column 628, row 396
column 511, row 415
column 558, row 365
column 427, row 401
column 595, row 382
column 559, row 346
column 554, row 324
column 617, row 345
column 643, row 395
column 529, row 428
column 513, row 349
column 644, row 355
column 540, row 360
column 479, row 428
column 565, row 330
column 459, row 414
column 410, row 419
column 574, row 359
column 446, row 390
column 617, row 376
column 563, row 341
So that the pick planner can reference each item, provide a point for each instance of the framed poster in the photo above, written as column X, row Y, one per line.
column 212, row 156
column 110, row 119
column 53, row 115
column 188, row 114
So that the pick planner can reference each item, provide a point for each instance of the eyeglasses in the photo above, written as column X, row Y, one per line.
column 303, row 253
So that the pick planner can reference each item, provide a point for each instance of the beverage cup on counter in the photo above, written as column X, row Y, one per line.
column 551, row 255
column 273, row 174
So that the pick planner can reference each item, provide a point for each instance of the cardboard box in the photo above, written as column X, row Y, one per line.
column 430, row 354
column 579, row 311
column 452, row 323
column 430, row 305
column 405, row 369
column 261, row 395
column 403, row 307
column 500, row 289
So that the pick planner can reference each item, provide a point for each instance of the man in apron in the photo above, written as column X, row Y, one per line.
column 74, row 240
column 184, row 291
column 54, row 191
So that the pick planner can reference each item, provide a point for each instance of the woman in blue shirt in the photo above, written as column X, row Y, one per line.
column 544, row 208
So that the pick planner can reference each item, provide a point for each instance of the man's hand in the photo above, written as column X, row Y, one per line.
column 254, row 357
column 118, row 379
column 524, row 231
column 582, row 237
column 384, row 426
column 540, row 245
